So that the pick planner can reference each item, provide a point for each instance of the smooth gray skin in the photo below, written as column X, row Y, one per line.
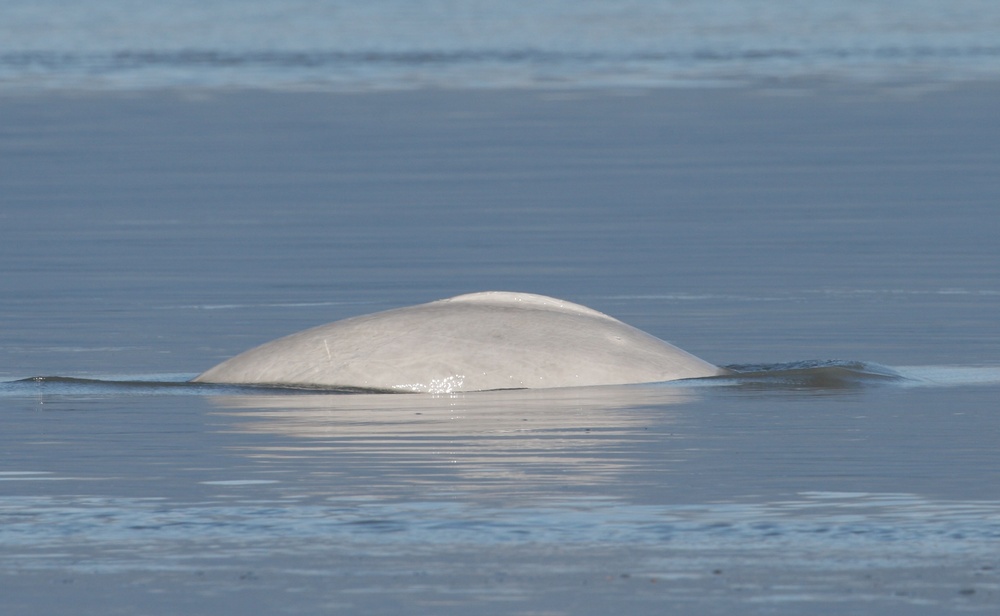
column 475, row 342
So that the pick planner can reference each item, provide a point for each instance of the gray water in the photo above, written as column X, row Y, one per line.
column 146, row 236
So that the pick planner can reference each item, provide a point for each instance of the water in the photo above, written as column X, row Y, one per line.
column 575, row 500
column 349, row 46
column 836, row 241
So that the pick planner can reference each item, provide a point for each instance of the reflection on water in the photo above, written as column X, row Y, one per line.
column 532, row 438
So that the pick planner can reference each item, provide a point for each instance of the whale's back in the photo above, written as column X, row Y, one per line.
column 480, row 341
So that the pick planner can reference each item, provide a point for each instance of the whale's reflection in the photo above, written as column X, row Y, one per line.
column 524, row 439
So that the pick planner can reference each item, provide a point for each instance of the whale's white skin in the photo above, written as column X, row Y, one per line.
column 475, row 342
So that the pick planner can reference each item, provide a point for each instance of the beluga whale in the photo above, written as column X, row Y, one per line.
column 475, row 342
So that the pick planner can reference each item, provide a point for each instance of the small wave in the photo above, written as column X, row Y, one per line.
column 373, row 69
column 812, row 374
column 871, row 525
column 844, row 374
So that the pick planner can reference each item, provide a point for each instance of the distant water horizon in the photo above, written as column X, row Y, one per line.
column 388, row 45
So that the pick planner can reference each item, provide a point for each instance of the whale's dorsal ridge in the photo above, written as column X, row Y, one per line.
column 473, row 342
column 525, row 300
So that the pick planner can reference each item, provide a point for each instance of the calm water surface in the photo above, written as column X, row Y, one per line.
column 144, row 238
